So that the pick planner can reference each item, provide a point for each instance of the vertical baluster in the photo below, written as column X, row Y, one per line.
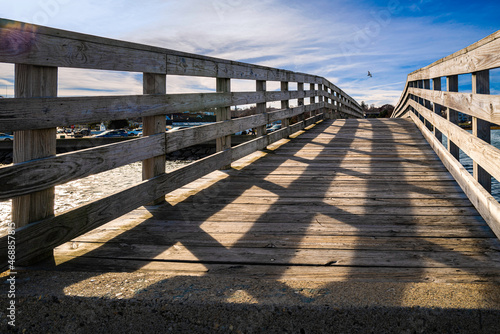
column 34, row 81
column 452, row 114
column 312, row 99
column 223, row 114
column 481, row 128
column 436, row 85
column 320, row 97
column 285, row 104
column 300, row 101
column 261, row 107
column 154, row 84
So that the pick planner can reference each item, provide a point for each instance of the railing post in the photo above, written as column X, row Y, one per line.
column 285, row 104
column 436, row 85
column 261, row 107
column 427, row 104
column 312, row 99
column 320, row 97
column 154, row 84
column 223, row 85
column 300, row 101
column 452, row 115
column 34, row 81
column 481, row 128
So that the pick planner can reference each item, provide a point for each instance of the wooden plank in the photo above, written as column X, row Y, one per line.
column 436, row 86
column 481, row 128
column 261, row 108
column 486, row 107
column 279, row 256
column 34, row 81
column 36, row 175
column 307, row 273
column 484, row 154
column 452, row 115
column 19, row 114
column 482, row 55
column 37, row 238
column 34, row 45
column 154, row 84
column 223, row 114
column 487, row 206
column 162, row 235
column 285, row 105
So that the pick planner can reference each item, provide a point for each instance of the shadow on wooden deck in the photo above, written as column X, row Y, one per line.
column 353, row 222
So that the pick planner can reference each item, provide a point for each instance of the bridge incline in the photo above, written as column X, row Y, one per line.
column 362, row 200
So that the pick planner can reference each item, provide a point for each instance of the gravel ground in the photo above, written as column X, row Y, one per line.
column 141, row 302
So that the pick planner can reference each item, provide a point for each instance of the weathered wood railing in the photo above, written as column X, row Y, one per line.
column 35, row 112
column 426, row 106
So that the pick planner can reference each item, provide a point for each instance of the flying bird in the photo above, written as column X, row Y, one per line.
column 370, row 75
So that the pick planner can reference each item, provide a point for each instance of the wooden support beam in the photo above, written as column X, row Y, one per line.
column 300, row 89
column 285, row 104
column 452, row 115
column 223, row 85
column 436, row 85
column 34, row 81
column 261, row 86
column 312, row 99
column 154, row 84
column 481, row 128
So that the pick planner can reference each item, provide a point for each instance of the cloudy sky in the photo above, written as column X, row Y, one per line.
column 340, row 40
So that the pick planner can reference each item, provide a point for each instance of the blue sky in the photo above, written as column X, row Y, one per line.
column 340, row 40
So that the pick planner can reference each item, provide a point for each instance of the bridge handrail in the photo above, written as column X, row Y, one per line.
column 35, row 112
column 436, row 113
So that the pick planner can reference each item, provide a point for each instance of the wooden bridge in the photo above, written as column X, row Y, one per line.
column 329, row 197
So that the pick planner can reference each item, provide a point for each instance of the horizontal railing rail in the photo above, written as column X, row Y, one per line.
column 36, row 111
column 436, row 113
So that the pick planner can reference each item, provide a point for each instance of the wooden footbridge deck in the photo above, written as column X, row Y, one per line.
column 330, row 197
column 344, row 200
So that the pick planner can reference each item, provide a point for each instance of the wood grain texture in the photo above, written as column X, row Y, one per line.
column 36, row 175
column 28, row 44
column 19, row 114
column 154, row 84
column 42, row 236
column 486, row 155
column 34, row 81
column 343, row 200
column 486, row 107
column 487, row 206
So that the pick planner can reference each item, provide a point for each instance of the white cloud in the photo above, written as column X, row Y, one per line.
column 337, row 40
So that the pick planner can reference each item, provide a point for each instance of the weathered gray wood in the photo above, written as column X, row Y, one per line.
column 34, row 81
column 481, row 128
column 261, row 108
column 487, row 206
column 38, row 238
column 154, row 84
column 223, row 114
column 28, row 44
column 177, row 140
column 486, row 107
column 436, row 85
column 36, row 175
column 289, row 209
column 452, row 115
column 19, row 114
column 285, row 104
column 484, row 154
